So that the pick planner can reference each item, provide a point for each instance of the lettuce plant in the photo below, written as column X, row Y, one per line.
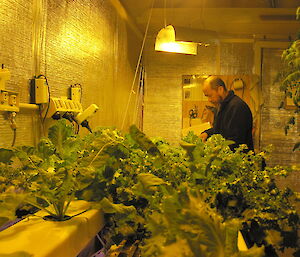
column 11, row 197
column 61, row 168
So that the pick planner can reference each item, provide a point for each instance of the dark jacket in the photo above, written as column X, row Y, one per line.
column 234, row 121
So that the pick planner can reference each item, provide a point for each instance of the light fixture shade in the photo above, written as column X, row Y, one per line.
column 166, row 34
column 165, row 41
column 184, row 40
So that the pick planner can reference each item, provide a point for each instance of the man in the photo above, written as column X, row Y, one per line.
column 234, row 119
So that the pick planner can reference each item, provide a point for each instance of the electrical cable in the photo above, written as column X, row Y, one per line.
column 44, row 39
column 202, row 15
column 78, row 128
column 137, row 66
column 165, row 13
column 13, row 125
column 137, row 98
column 138, row 108
column 40, row 105
column 14, row 137
column 41, row 119
column 85, row 124
column 76, row 124
column 39, row 32
column 49, row 96
column 70, row 117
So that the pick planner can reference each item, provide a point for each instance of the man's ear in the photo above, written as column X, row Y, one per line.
column 220, row 90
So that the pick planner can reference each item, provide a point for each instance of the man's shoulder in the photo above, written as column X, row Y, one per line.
column 237, row 102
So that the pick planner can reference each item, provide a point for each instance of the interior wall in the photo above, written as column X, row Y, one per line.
column 69, row 41
column 163, row 99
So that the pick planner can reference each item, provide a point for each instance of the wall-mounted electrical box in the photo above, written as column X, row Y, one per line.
column 9, row 101
column 61, row 106
column 75, row 92
column 4, row 76
column 39, row 91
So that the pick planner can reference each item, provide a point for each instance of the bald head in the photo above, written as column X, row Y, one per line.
column 215, row 90
column 214, row 82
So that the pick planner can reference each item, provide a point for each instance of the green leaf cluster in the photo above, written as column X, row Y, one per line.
column 289, row 78
column 198, row 195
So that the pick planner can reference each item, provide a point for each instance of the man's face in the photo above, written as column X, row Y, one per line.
column 213, row 95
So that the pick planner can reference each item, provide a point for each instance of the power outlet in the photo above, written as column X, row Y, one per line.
column 4, row 97
column 9, row 101
column 12, row 100
column 62, row 106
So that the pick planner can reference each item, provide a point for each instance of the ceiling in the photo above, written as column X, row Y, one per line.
column 242, row 18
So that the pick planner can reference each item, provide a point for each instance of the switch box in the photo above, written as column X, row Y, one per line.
column 4, row 76
column 39, row 91
column 76, row 93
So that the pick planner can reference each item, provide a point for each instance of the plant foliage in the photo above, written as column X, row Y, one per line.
column 195, row 197
column 289, row 78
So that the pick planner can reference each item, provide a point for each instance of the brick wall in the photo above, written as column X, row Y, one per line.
column 70, row 41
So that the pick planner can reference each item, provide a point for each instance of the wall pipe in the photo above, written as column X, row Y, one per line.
column 32, row 107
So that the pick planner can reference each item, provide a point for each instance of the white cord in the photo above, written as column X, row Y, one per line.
column 139, row 98
column 137, row 66
column 165, row 13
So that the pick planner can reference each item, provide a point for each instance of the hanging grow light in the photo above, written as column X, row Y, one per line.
column 184, row 41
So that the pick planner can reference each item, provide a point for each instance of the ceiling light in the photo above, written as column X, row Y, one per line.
column 185, row 41
column 165, row 41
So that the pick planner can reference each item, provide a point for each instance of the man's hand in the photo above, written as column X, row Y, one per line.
column 203, row 136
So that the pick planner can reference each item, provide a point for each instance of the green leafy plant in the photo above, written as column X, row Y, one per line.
column 11, row 197
column 51, row 169
column 289, row 78
column 236, row 185
column 183, row 219
column 196, row 196
column 212, row 170
column 62, row 168
column 10, row 200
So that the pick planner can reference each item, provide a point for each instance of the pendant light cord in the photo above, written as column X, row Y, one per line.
column 137, row 66
column 165, row 13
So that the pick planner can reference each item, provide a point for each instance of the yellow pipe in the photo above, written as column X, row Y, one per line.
column 32, row 107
